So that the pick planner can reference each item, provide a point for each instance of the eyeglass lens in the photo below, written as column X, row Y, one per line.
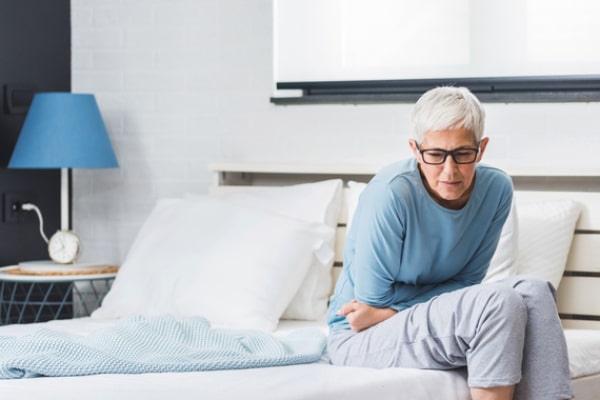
column 460, row 156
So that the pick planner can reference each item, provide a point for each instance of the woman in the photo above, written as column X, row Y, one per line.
column 422, row 238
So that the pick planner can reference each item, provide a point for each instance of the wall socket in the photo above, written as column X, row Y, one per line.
column 12, row 212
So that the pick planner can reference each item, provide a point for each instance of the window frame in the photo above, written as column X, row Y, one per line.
column 571, row 88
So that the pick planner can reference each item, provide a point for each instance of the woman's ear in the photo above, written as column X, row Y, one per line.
column 413, row 146
column 482, row 146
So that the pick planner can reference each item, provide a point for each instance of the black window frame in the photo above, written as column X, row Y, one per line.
column 563, row 88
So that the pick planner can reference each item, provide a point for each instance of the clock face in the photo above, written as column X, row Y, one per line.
column 63, row 247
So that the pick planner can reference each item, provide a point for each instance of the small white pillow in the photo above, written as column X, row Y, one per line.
column 545, row 233
column 535, row 238
column 354, row 191
column 503, row 263
column 312, row 202
column 237, row 266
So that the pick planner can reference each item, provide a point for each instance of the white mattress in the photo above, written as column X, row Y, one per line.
column 309, row 381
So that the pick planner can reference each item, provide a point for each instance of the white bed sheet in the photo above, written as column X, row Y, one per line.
column 584, row 352
column 309, row 381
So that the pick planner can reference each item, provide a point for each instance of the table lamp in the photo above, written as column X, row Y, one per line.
column 63, row 131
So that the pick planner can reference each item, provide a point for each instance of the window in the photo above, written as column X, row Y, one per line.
column 393, row 50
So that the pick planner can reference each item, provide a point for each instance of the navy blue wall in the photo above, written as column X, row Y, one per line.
column 35, row 56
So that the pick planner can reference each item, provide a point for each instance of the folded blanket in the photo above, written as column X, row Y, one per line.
column 160, row 344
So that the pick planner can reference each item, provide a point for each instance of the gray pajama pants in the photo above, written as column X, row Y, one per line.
column 505, row 333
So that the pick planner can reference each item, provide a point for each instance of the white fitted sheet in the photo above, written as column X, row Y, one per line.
column 309, row 381
column 584, row 352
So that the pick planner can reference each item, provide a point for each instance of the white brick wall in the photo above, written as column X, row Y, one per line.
column 182, row 83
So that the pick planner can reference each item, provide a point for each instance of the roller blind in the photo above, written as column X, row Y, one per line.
column 400, row 40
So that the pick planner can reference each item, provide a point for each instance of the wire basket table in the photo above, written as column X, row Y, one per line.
column 36, row 298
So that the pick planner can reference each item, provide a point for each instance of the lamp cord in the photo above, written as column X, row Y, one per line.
column 30, row 207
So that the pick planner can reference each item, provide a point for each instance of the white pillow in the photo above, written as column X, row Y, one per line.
column 545, row 234
column 237, row 266
column 354, row 191
column 312, row 202
column 503, row 263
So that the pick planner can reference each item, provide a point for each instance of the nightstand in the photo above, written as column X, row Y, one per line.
column 34, row 297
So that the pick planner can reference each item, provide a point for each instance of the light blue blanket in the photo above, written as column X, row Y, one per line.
column 162, row 344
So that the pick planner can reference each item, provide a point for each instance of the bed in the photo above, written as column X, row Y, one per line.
column 553, row 234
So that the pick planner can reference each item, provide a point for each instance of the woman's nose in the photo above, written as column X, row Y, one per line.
column 449, row 164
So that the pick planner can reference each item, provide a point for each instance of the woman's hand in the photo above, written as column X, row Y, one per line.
column 362, row 316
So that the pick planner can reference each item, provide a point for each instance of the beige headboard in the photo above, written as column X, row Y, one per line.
column 579, row 291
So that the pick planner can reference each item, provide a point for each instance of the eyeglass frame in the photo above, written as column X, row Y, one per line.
column 451, row 153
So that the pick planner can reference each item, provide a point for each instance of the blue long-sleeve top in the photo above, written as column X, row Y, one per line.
column 404, row 248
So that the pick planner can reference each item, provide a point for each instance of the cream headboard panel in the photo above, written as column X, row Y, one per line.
column 579, row 291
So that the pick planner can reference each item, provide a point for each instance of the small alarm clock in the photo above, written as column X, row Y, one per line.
column 64, row 247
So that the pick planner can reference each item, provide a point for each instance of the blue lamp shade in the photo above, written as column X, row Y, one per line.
column 63, row 130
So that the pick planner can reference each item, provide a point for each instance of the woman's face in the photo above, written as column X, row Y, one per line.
column 449, row 183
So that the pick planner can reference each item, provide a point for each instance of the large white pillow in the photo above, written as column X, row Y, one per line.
column 312, row 202
column 546, row 231
column 237, row 266
column 504, row 260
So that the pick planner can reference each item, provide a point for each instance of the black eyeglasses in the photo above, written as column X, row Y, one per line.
column 462, row 155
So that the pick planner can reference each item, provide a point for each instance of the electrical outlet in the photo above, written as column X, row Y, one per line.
column 12, row 211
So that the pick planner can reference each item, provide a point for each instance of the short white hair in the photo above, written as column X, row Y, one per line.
column 445, row 108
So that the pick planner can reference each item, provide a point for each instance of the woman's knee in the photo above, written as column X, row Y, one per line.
column 531, row 287
column 503, row 302
column 503, row 318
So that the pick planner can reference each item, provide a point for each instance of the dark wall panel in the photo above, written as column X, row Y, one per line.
column 35, row 56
